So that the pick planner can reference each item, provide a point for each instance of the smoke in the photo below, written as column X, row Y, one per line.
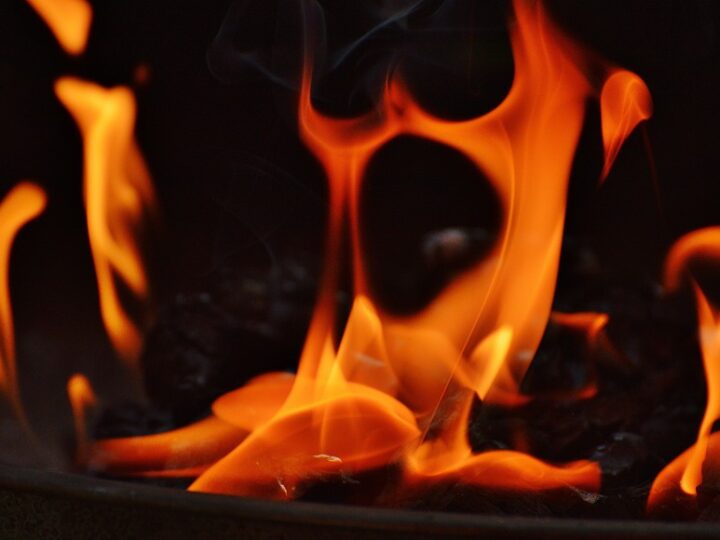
column 451, row 51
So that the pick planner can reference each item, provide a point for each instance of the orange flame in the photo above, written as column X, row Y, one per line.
column 24, row 202
column 399, row 390
column 81, row 397
column 703, row 243
column 189, row 451
column 686, row 470
column 255, row 403
column 177, row 452
column 68, row 19
column 118, row 193
column 625, row 102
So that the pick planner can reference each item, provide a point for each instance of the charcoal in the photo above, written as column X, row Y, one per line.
column 129, row 419
column 206, row 344
column 190, row 354
column 562, row 364
column 628, row 503
column 670, row 429
column 609, row 411
column 646, row 373
column 624, row 461
column 563, row 438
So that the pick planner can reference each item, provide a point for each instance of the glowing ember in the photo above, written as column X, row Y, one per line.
column 118, row 197
column 23, row 203
column 591, row 324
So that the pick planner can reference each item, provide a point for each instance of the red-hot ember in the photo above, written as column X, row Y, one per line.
column 399, row 390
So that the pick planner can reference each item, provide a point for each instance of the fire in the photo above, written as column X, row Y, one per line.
column 589, row 323
column 686, row 471
column 81, row 397
column 591, row 326
column 68, row 19
column 23, row 203
column 182, row 452
column 118, row 197
column 625, row 102
column 399, row 390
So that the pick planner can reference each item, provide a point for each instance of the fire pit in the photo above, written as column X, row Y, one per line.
column 68, row 506
column 411, row 266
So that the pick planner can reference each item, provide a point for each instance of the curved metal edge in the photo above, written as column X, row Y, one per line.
column 354, row 520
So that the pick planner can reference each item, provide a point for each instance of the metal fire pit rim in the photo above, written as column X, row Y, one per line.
column 116, row 492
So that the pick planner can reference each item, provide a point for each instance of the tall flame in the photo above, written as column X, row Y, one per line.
column 399, row 390
column 68, row 19
column 23, row 203
column 686, row 471
column 477, row 336
column 118, row 195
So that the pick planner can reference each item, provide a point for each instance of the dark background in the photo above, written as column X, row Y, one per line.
column 237, row 188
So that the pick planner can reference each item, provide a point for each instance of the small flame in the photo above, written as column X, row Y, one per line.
column 588, row 322
column 118, row 194
column 23, row 203
column 625, row 102
column 68, row 19
column 686, row 470
column 81, row 397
